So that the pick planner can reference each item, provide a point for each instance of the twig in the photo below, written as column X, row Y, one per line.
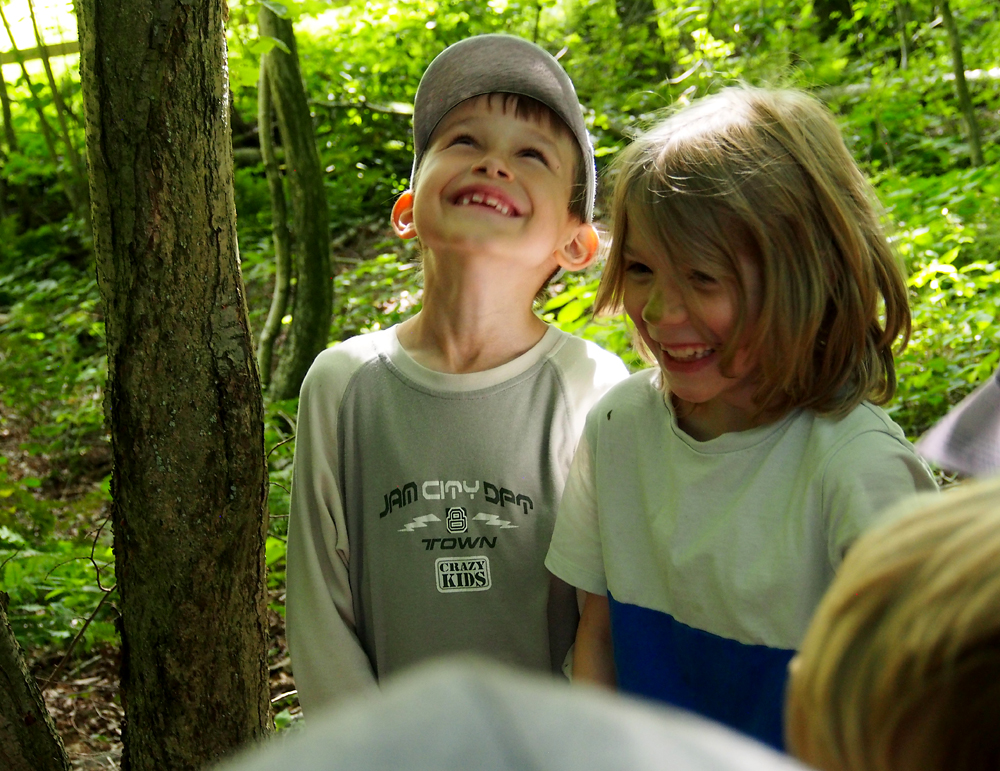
column 76, row 639
column 281, row 486
column 93, row 548
column 283, row 441
column 282, row 696
column 4, row 563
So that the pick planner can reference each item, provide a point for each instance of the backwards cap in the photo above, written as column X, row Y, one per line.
column 495, row 64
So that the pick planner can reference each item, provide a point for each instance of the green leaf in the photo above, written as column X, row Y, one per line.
column 279, row 10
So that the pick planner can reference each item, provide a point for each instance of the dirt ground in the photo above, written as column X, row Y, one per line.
column 84, row 700
column 87, row 711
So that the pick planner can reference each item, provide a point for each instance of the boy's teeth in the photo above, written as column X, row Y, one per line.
column 689, row 352
column 491, row 201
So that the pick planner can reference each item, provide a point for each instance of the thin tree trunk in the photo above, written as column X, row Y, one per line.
column 79, row 177
column 28, row 738
column 964, row 100
column 903, row 18
column 183, row 395
column 279, row 227
column 313, row 302
column 69, row 187
column 8, row 125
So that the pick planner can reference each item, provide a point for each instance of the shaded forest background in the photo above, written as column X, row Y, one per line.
column 888, row 70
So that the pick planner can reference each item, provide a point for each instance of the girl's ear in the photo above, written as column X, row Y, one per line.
column 402, row 216
column 581, row 250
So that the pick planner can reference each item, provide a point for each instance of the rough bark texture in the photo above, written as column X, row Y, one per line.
column 28, row 738
column 961, row 87
column 279, row 228
column 312, row 306
column 183, row 394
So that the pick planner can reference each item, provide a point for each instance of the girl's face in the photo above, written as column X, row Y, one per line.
column 686, row 332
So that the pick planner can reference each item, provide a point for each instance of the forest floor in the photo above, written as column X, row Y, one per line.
column 83, row 699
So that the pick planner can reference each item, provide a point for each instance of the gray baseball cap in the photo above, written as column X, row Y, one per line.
column 967, row 439
column 498, row 64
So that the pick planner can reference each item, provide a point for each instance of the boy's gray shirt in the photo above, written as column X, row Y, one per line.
column 423, row 504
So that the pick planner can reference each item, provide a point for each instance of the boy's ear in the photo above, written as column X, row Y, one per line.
column 402, row 216
column 581, row 250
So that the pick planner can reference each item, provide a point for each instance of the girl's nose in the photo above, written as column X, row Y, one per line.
column 665, row 305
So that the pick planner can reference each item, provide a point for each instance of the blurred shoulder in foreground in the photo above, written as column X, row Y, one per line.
column 467, row 713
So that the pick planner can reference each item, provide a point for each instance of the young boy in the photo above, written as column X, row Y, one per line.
column 430, row 457
column 900, row 667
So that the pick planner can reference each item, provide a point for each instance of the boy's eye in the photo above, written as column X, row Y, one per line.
column 462, row 139
column 538, row 155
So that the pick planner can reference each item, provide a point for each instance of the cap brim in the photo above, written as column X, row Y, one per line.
column 967, row 439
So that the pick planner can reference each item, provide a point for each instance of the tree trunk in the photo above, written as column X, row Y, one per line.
column 79, row 177
column 312, row 307
column 279, row 228
column 903, row 19
column 183, row 393
column 8, row 126
column 964, row 100
column 28, row 738
column 70, row 185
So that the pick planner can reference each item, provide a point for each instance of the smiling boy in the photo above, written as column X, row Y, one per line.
column 430, row 457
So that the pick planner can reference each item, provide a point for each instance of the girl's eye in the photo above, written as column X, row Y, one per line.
column 702, row 279
column 637, row 268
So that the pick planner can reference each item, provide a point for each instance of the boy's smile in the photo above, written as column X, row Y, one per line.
column 491, row 182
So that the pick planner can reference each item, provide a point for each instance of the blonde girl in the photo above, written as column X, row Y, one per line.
column 712, row 497
column 900, row 667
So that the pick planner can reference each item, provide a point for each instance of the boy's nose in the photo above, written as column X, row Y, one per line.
column 492, row 166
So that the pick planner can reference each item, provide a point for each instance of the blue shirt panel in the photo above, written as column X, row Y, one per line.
column 740, row 685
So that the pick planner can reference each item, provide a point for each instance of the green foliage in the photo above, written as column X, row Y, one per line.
column 948, row 234
column 361, row 64
column 54, row 591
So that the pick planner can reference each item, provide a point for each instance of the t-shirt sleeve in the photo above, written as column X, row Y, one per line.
column 575, row 553
column 866, row 475
column 327, row 658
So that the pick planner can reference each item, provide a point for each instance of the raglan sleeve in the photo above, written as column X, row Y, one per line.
column 327, row 658
column 864, row 477
column 575, row 553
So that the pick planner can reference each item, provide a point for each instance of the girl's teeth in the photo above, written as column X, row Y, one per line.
column 689, row 353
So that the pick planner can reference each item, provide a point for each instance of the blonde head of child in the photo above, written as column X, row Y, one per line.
column 900, row 667
column 747, row 250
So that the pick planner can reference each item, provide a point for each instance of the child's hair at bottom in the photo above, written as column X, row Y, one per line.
column 900, row 667
column 766, row 173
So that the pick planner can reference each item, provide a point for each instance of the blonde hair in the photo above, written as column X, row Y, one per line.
column 900, row 667
column 766, row 174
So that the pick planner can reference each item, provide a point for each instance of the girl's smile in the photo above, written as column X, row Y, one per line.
column 686, row 328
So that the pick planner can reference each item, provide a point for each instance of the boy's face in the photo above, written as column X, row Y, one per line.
column 493, row 182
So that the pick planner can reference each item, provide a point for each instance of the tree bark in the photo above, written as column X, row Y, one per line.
column 312, row 306
column 28, row 738
column 279, row 228
column 961, row 87
column 183, row 394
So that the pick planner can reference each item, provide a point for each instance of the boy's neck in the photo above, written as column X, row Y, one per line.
column 472, row 320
